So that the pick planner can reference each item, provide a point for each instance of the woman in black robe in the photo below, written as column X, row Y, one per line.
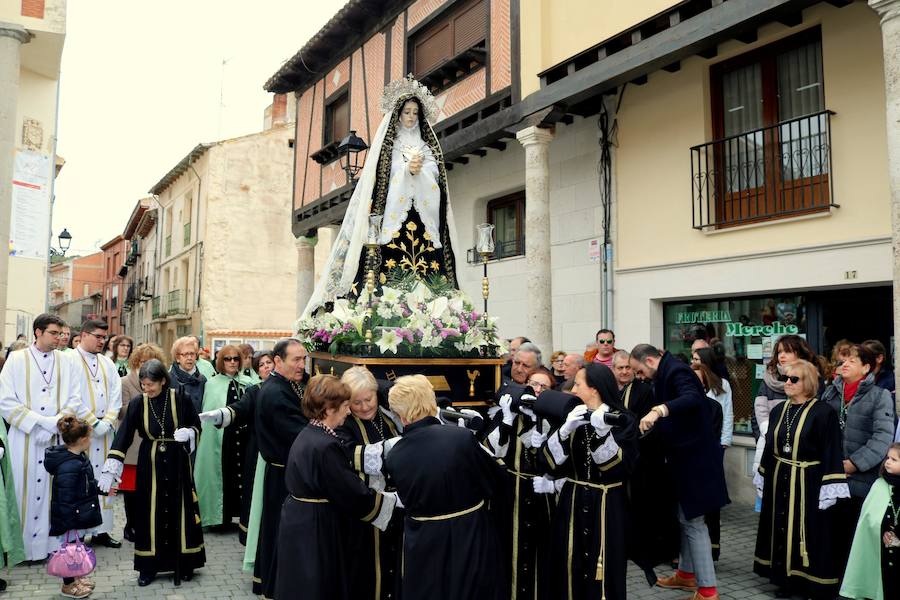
column 446, row 480
column 168, row 537
column 374, row 571
column 588, row 541
column 802, row 477
column 525, row 523
column 325, row 495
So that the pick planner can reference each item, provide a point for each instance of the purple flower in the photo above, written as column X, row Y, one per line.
column 449, row 332
column 463, row 327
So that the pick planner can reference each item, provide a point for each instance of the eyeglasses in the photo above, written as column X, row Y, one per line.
column 791, row 378
column 231, row 358
column 102, row 338
column 559, row 361
column 535, row 384
column 187, row 354
column 55, row 334
column 606, row 341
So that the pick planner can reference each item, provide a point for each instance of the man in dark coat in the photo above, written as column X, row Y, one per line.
column 278, row 420
column 683, row 419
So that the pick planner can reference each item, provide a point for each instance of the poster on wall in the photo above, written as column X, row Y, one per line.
column 29, row 229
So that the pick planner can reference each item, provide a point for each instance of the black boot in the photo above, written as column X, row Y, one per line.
column 146, row 578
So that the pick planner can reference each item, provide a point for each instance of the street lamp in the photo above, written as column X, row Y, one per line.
column 349, row 150
column 65, row 240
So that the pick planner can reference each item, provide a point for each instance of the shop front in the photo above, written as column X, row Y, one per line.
column 748, row 328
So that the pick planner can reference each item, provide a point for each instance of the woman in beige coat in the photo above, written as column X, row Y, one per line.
column 131, row 389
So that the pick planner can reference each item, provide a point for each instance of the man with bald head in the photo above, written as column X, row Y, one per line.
column 572, row 363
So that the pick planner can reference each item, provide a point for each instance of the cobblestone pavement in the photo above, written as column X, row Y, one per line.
column 222, row 577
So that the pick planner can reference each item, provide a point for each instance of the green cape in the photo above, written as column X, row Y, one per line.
column 863, row 576
column 208, row 465
column 256, row 504
column 10, row 526
column 206, row 368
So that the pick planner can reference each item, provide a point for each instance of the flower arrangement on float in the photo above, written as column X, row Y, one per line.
column 411, row 317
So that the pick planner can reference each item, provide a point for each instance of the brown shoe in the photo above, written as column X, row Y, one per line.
column 675, row 582
column 85, row 582
column 75, row 590
column 697, row 596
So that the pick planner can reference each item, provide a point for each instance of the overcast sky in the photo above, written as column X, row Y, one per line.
column 140, row 87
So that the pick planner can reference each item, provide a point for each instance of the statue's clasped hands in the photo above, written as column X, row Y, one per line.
column 415, row 164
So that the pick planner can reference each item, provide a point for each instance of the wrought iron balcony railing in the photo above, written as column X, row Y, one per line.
column 502, row 249
column 175, row 302
column 773, row 172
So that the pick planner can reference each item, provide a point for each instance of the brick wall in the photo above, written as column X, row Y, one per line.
column 33, row 8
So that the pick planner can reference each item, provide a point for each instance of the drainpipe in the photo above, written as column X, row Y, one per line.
column 607, row 124
column 52, row 197
column 198, row 253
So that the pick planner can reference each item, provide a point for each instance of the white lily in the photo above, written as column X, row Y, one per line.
column 342, row 310
column 389, row 341
column 456, row 304
column 390, row 295
column 437, row 307
column 419, row 295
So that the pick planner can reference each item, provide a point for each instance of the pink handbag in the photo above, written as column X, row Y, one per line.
column 73, row 559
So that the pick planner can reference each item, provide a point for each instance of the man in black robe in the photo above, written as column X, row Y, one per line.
column 683, row 418
column 278, row 420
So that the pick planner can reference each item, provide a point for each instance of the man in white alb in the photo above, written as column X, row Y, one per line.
column 100, row 389
column 36, row 389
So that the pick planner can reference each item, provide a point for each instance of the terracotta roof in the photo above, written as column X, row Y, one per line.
column 182, row 166
column 248, row 333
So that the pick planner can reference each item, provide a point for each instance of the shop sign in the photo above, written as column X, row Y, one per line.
column 776, row 328
column 703, row 316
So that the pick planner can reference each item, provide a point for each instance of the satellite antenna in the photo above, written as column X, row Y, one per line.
column 221, row 97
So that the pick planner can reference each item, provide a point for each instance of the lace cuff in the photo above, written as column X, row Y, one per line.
column 556, row 450
column 606, row 451
column 758, row 481
column 830, row 492
column 377, row 483
column 372, row 458
column 525, row 438
column 497, row 449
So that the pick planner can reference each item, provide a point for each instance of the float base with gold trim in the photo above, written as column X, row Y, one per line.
column 466, row 381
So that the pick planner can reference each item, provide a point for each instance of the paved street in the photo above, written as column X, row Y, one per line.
column 222, row 576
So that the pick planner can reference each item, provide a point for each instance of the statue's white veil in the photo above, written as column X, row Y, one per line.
column 343, row 262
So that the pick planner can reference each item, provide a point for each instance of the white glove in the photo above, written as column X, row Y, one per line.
column 105, row 482
column 506, row 406
column 537, row 438
column 758, row 481
column 113, row 466
column 377, row 483
column 471, row 413
column 101, row 428
column 2, row 452
column 558, row 484
column 598, row 422
column 390, row 443
column 574, row 420
column 216, row 416
column 542, row 485
column 185, row 435
column 41, row 436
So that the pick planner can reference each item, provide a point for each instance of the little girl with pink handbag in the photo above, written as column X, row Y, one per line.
column 74, row 509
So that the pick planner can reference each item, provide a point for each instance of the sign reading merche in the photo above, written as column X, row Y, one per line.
column 703, row 316
column 776, row 328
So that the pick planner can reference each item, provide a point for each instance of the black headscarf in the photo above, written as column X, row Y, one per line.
column 601, row 378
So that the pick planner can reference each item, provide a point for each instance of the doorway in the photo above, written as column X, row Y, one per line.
column 857, row 315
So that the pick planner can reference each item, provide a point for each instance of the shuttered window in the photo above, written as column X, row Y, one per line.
column 454, row 34
column 337, row 119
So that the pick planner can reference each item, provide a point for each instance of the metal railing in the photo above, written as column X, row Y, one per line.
column 175, row 302
column 772, row 172
column 187, row 234
column 156, row 307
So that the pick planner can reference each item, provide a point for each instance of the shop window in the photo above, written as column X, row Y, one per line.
column 507, row 215
column 771, row 155
column 455, row 45
column 747, row 328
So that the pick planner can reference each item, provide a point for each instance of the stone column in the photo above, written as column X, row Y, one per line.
column 11, row 39
column 306, row 270
column 889, row 11
column 539, row 302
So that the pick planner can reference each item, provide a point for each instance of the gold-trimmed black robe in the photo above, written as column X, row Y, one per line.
column 167, row 524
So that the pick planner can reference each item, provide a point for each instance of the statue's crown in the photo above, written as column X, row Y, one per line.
column 405, row 88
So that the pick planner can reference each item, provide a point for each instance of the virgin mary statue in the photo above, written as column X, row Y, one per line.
column 404, row 181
